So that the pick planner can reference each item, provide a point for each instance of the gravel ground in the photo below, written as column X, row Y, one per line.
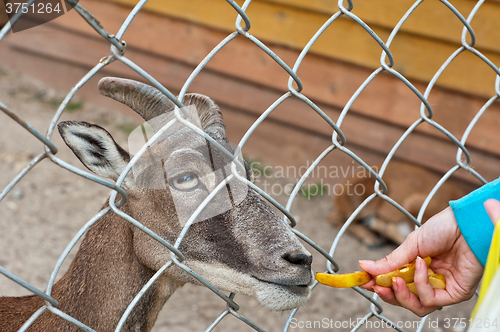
column 46, row 209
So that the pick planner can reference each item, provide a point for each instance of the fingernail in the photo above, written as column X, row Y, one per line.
column 418, row 264
column 394, row 284
column 366, row 262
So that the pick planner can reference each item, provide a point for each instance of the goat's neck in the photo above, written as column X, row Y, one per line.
column 102, row 280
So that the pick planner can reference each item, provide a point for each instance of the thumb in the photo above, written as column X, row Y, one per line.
column 492, row 206
column 403, row 254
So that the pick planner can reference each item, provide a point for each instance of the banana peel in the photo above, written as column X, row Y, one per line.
column 345, row 280
column 406, row 272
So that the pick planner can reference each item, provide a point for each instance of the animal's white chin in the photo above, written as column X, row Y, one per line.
column 270, row 295
column 281, row 297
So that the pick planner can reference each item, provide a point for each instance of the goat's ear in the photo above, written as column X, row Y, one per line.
column 96, row 149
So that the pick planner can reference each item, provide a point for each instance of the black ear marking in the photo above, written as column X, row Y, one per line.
column 63, row 126
column 91, row 140
column 95, row 148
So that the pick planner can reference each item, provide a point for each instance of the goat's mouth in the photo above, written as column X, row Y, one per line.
column 281, row 295
column 292, row 287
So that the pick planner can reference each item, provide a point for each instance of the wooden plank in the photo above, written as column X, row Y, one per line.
column 416, row 56
column 3, row 15
column 326, row 82
column 364, row 134
column 432, row 19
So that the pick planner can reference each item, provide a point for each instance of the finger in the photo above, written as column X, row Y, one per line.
column 492, row 206
column 386, row 294
column 425, row 291
column 428, row 296
column 409, row 300
column 369, row 285
column 403, row 254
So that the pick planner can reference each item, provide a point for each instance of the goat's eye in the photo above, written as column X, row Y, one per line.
column 185, row 181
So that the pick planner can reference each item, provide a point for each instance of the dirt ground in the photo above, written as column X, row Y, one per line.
column 47, row 208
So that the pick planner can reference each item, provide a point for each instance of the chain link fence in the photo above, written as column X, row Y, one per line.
column 295, row 87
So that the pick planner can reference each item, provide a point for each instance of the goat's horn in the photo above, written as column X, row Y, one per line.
column 208, row 111
column 145, row 100
column 149, row 102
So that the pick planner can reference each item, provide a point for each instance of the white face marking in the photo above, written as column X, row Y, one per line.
column 270, row 295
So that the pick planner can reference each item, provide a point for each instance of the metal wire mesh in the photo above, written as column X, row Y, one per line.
column 295, row 87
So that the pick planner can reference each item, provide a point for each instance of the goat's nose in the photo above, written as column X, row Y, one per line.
column 298, row 257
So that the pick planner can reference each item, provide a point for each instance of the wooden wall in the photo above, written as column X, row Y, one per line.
column 170, row 38
column 428, row 37
column 3, row 14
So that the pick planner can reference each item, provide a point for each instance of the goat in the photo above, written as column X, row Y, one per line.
column 246, row 249
column 408, row 185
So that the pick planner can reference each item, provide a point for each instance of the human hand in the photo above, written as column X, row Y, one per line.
column 439, row 238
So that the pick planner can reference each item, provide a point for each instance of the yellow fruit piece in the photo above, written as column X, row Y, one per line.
column 345, row 280
column 385, row 279
column 412, row 288
column 406, row 272
column 435, row 280
column 427, row 260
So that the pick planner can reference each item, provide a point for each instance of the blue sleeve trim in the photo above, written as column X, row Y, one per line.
column 473, row 220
